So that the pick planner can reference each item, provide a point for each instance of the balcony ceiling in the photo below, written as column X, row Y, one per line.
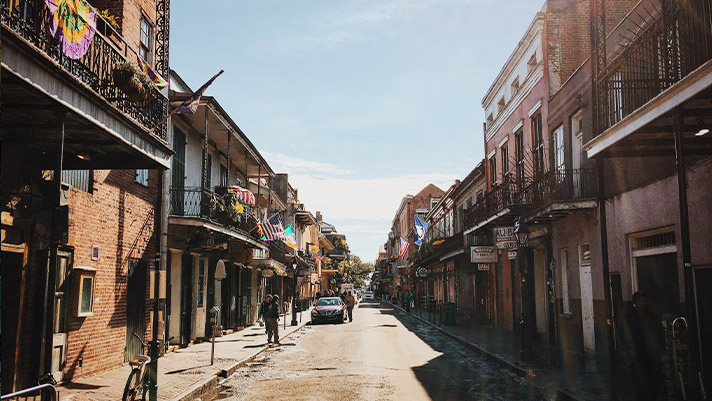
column 30, row 126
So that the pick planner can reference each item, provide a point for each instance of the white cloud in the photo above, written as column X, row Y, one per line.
column 282, row 163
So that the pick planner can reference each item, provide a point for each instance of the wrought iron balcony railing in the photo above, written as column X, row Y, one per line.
column 561, row 185
column 666, row 41
column 28, row 19
column 219, row 206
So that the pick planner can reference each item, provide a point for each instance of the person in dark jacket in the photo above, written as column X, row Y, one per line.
column 645, row 338
column 272, row 320
column 263, row 308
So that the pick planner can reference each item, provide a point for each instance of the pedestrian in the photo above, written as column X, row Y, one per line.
column 263, row 309
column 408, row 300
column 645, row 338
column 272, row 320
column 350, row 302
column 318, row 295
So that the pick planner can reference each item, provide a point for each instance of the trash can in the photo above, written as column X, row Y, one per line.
column 448, row 310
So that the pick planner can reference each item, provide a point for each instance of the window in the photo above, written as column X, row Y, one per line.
column 142, row 177
column 223, row 175
column 493, row 170
column 559, row 162
column 85, row 304
column 145, row 47
column 505, row 162
column 515, row 86
column 577, row 123
column 500, row 105
column 519, row 144
column 538, row 144
column 201, row 282
column 531, row 64
column 565, row 296
column 585, row 255
column 79, row 179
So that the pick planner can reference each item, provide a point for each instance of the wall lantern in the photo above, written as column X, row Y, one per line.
column 521, row 231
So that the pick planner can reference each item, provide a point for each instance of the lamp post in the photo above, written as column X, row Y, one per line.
column 526, row 325
column 294, row 292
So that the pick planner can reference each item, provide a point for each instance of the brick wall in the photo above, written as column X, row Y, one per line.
column 128, row 14
column 119, row 218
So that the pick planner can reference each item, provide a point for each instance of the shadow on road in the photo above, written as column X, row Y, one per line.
column 459, row 374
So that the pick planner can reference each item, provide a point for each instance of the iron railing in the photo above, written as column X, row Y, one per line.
column 665, row 44
column 217, row 205
column 28, row 19
column 43, row 392
column 561, row 185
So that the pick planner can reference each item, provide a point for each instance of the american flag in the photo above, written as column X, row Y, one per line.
column 403, row 247
column 273, row 228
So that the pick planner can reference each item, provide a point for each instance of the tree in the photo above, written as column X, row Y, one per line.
column 356, row 271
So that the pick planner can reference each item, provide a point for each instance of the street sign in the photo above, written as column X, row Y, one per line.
column 422, row 272
column 512, row 255
column 483, row 267
column 483, row 254
column 505, row 237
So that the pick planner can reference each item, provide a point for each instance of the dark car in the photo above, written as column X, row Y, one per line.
column 329, row 309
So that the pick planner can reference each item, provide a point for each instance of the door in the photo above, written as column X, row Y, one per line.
column 246, row 297
column 61, row 295
column 589, row 338
column 201, row 281
column 657, row 276
column 186, row 298
column 135, row 308
column 540, row 291
column 178, row 174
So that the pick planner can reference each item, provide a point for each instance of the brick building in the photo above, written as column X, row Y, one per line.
column 78, row 238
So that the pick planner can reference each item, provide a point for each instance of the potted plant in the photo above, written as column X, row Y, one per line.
column 132, row 81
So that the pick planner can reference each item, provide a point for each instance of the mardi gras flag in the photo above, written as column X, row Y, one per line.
column 157, row 80
column 72, row 23
column 191, row 104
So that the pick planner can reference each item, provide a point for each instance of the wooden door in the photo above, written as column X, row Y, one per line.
column 186, row 297
column 135, row 308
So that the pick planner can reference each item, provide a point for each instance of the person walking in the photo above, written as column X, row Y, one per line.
column 645, row 338
column 263, row 309
column 408, row 300
column 272, row 320
column 350, row 303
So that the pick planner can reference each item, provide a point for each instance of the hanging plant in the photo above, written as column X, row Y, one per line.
column 132, row 81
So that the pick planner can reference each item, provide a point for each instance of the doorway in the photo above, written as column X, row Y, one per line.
column 62, row 293
column 135, row 308
column 586, row 283
column 186, row 298
column 657, row 276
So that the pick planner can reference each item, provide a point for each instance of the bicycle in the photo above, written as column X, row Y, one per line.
column 137, row 383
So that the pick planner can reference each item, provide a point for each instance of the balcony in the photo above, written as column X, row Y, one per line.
column 218, row 206
column 552, row 194
column 658, row 64
column 26, row 22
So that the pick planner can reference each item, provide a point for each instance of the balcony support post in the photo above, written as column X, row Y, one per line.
column 605, row 272
column 227, row 168
column 259, row 174
column 690, row 304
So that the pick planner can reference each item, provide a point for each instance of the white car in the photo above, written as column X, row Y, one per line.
column 368, row 295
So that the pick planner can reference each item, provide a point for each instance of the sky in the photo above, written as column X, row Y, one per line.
column 361, row 102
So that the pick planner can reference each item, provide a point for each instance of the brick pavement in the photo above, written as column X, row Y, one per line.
column 182, row 372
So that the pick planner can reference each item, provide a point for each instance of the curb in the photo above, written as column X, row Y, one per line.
column 561, row 395
column 206, row 386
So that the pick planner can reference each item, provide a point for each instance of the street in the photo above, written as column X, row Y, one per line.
column 382, row 355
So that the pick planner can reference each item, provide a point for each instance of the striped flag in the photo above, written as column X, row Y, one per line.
column 403, row 247
column 273, row 228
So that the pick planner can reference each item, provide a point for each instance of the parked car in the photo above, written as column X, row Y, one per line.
column 368, row 296
column 329, row 309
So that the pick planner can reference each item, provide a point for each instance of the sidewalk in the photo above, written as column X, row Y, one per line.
column 502, row 347
column 186, row 373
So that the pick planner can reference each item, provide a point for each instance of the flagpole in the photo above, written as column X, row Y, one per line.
column 190, row 99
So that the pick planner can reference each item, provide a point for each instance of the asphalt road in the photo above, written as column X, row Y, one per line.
column 382, row 355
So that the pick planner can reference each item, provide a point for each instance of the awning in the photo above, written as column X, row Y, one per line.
column 243, row 195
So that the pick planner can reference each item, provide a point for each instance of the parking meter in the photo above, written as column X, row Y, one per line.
column 214, row 319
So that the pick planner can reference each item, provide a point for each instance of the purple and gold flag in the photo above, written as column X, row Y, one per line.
column 191, row 104
column 157, row 80
column 72, row 23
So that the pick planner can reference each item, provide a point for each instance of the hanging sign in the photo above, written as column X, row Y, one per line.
column 483, row 267
column 505, row 238
column 267, row 273
column 483, row 254
column 512, row 255
column 422, row 272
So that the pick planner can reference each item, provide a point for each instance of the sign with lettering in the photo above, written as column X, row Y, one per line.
column 267, row 273
column 505, row 238
column 483, row 254
column 483, row 267
column 512, row 255
column 422, row 272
